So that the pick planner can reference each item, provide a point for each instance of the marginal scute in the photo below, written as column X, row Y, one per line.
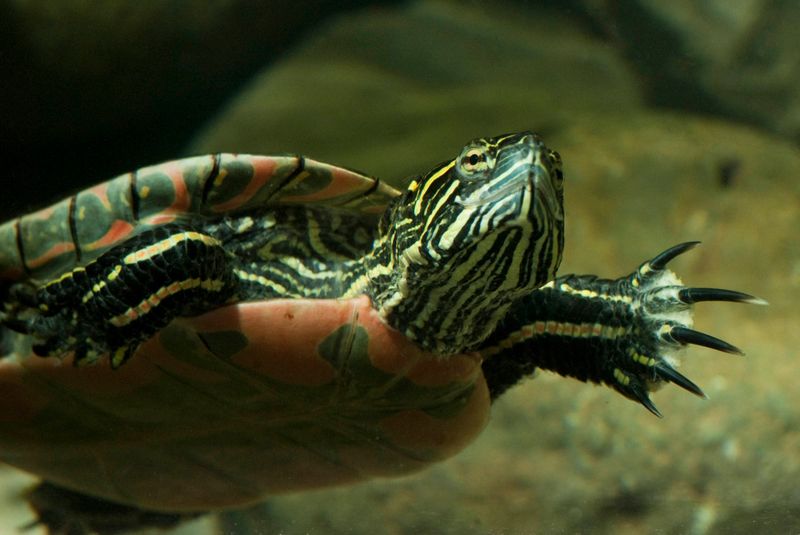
column 47, row 241
column 244, row 182
column 439, row 438
column 164, row 187
column 224, row 344
column 300, row 363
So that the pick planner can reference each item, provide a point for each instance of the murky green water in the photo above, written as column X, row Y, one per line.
column 675, row 122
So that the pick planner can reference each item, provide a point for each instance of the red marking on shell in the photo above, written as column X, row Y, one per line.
column 296, row 328
column 161, row 219
column 119, row 231
column 43, row 214
column 441, row 437
column 179, row 428
column 392, row 352
column 343, row 183
column 100, row 191
column 263, row 171
column 53, row 252
column 174, row 170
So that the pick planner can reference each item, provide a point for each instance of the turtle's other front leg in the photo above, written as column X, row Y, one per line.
column 123, row 297
column 61, row 510
column 622, row 332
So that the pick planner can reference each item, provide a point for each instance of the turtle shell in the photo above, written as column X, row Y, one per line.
column 51, row 241
column 248, row 400
column 327, row 395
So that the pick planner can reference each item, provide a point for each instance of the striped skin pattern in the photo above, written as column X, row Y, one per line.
column 464, row 240
column 469, row 238
column 476, row 234
column 625, row 333
column 270, row 282
column 130, row 292
column 454, row 263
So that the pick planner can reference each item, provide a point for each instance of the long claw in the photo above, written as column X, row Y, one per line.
column 684, row 335
column 661, row 260
column 696, row 295
column 672, row 375
column 642, row 397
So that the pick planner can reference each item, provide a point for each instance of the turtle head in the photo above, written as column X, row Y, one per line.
column 469, row 238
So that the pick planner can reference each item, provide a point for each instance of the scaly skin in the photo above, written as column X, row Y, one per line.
column 624, row 332
column 456, row 266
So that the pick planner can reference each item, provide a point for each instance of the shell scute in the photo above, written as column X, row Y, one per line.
column 103, row 216
column 441, row 436
column 11, row 262
column 167, row 189
column 243, row 182
column 247, row 400
column 78, row 229
column 47, row 241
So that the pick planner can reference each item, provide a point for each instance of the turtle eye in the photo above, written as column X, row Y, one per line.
column 474, row 162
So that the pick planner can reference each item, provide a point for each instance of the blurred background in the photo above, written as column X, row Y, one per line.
column 676, row 121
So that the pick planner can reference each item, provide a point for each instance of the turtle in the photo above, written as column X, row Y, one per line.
column 201, row 334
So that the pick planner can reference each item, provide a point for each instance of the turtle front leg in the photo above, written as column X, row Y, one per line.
column 622, row 332
column 123, row 297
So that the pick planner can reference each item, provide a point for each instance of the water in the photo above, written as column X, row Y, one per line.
column 674, row 123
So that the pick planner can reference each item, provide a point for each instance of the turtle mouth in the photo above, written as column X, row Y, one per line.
column 540, row 182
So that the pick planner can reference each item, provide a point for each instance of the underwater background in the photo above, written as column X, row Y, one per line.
column 676, row 121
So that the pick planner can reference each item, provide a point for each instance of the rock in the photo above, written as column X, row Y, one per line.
column 392, row 91
column 733, row 59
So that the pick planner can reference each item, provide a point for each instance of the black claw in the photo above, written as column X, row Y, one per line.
column 672, row 375
column 690, row 336
column 661, row 260
column 696, row 295
column 642, row 397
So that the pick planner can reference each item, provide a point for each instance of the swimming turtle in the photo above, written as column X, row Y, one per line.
column 228, row 327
